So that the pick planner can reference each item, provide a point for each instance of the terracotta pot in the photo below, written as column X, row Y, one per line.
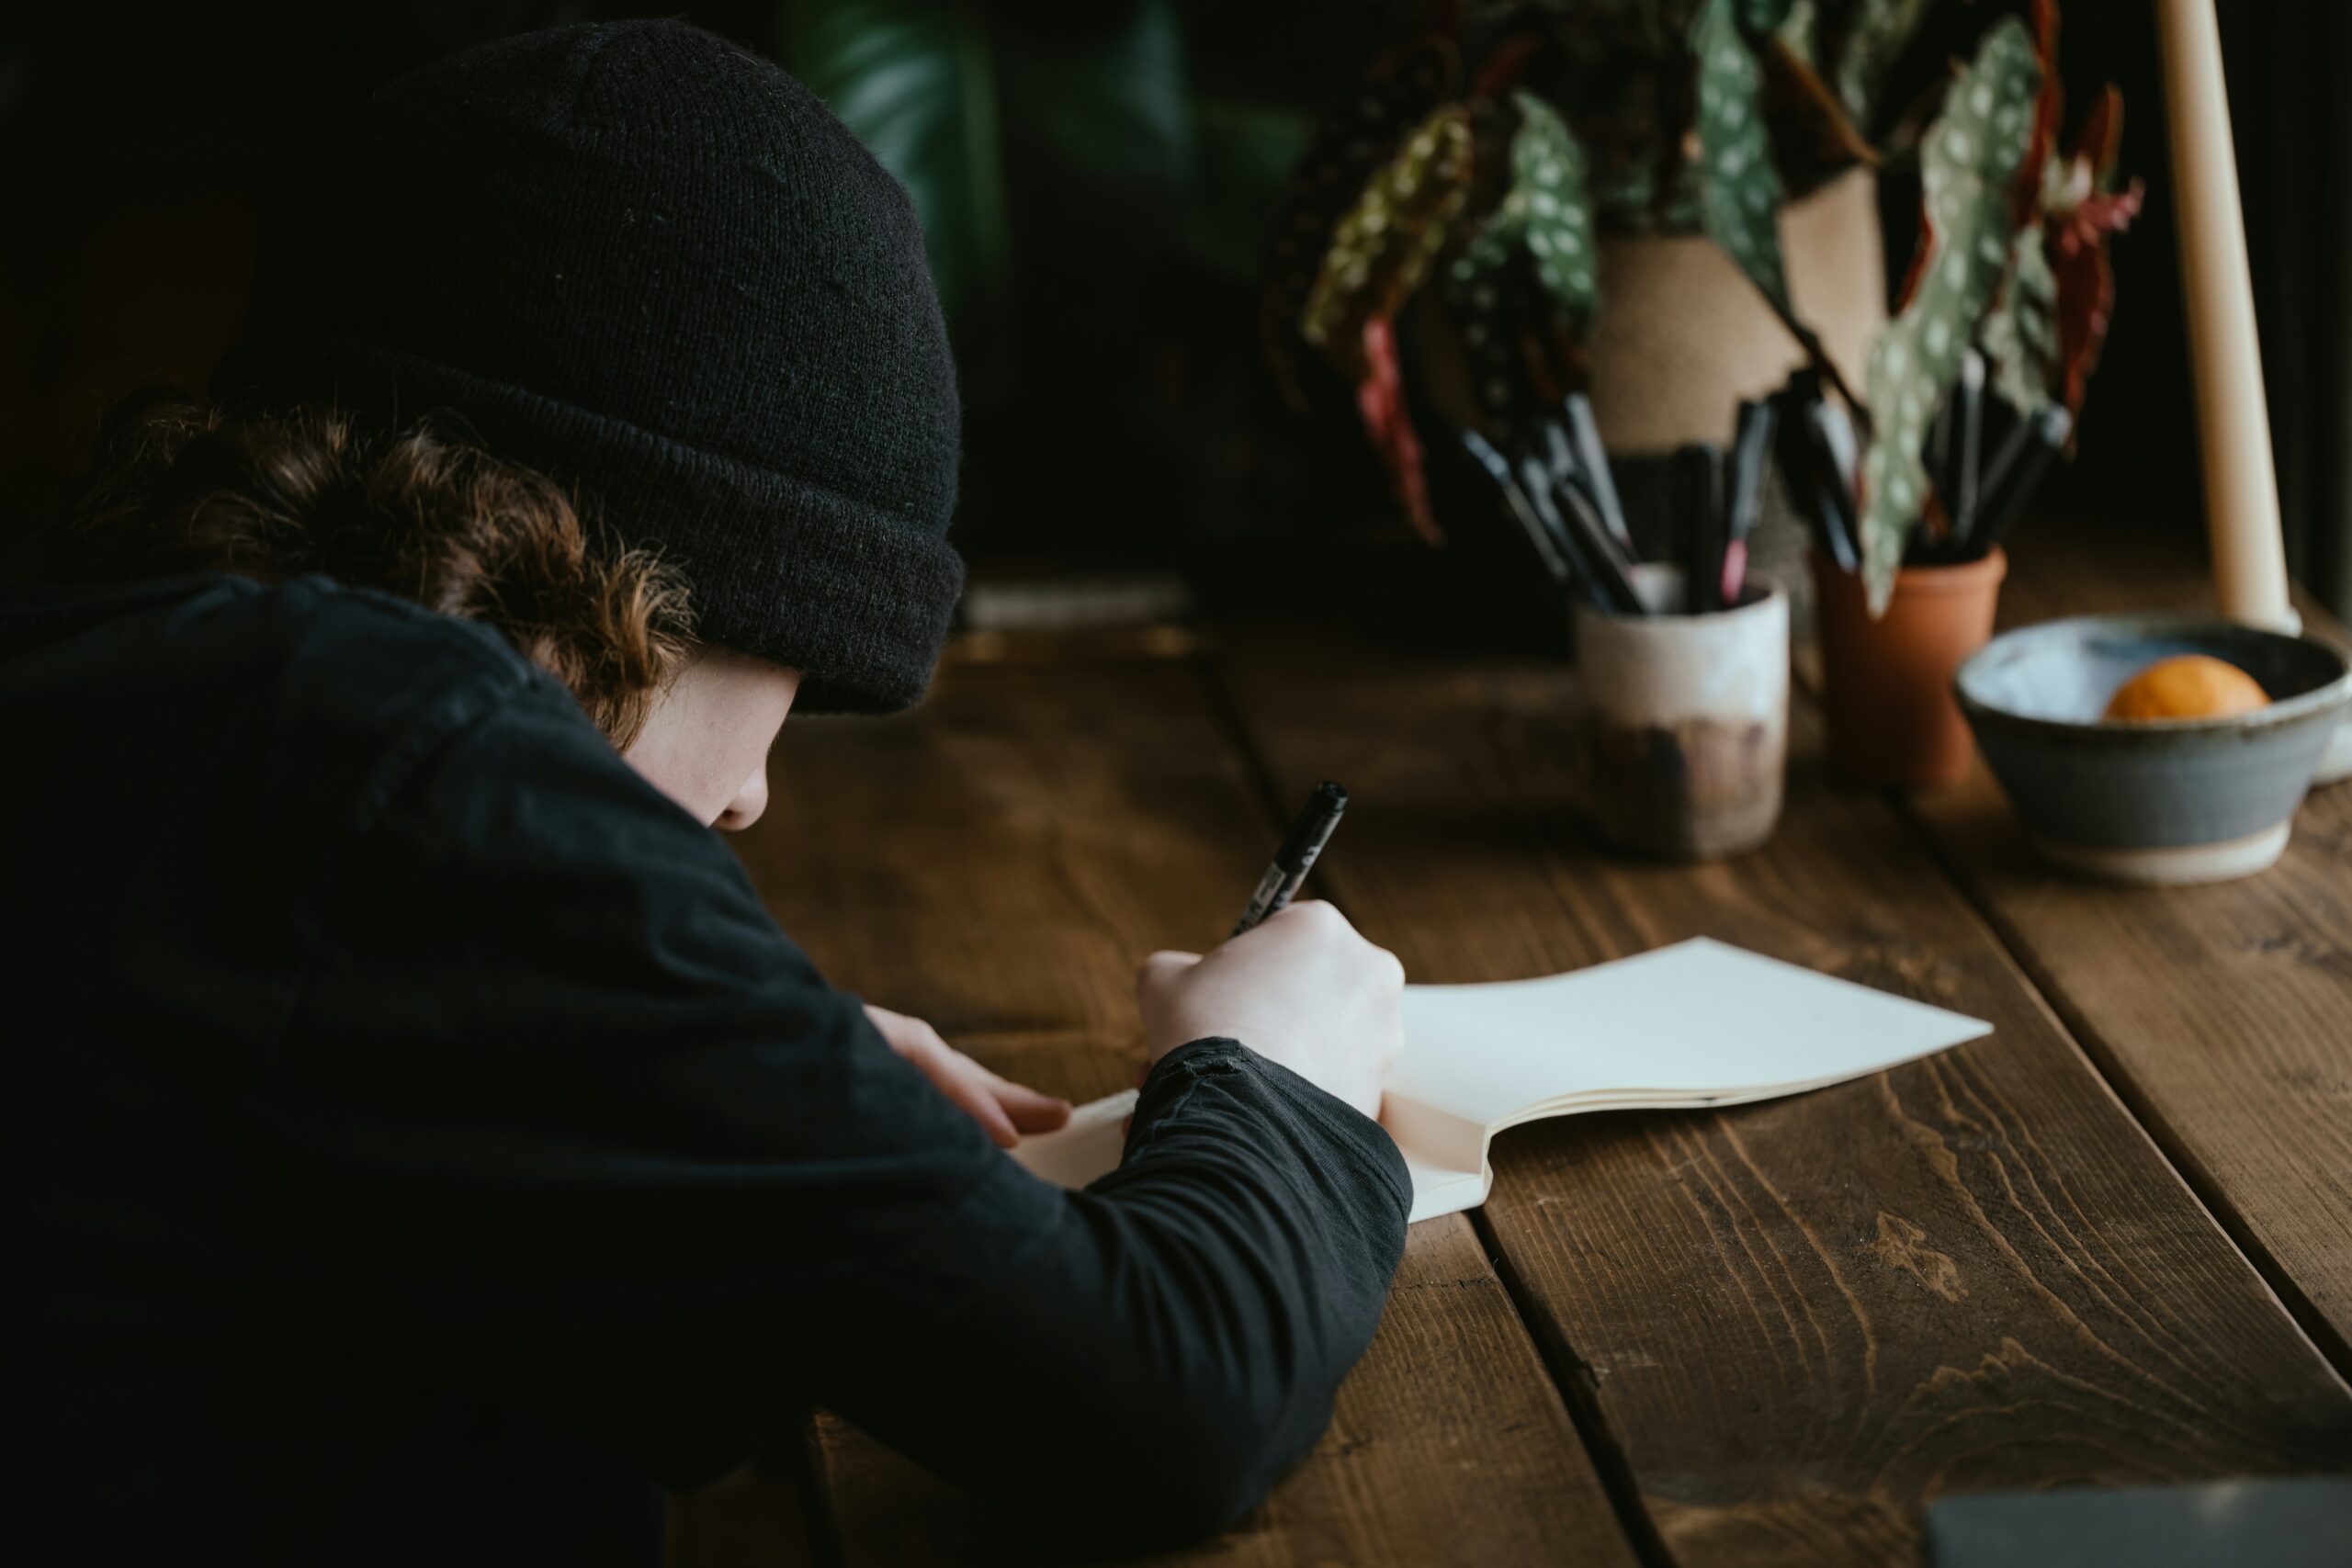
column 1887, row 683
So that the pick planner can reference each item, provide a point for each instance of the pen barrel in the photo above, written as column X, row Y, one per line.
column 1301, row 845
column 1267, row 897
column 1312, row 830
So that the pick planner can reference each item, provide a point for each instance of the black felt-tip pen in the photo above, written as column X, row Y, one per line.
column 1300, row 846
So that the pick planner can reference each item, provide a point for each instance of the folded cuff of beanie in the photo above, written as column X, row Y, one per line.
column 855, row 598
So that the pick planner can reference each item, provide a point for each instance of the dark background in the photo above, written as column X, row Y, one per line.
column 1118, row 410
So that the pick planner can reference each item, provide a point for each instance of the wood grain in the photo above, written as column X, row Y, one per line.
column 1790, row 1325
column 998, row 861
column 2223, row 1014
column 1432, row 1456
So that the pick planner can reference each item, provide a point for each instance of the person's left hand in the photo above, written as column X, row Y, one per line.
column 1003, row 1109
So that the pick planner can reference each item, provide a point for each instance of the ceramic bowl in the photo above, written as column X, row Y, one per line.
column 2167, row 800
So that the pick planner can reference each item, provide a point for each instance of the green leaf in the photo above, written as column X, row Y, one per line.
column 1246, row 152
column 1968, row 161
column 2021, row 333
column 1106, row 101
column 1739, row 190
column 1543, row 228
column 1483, row 295
column 1874, row 37
column 1344, row 151
column 1385, row 242
column 1488, row 251
column 954, row 98
column 917, row 84
column 1551, row 202
column 1801, row 30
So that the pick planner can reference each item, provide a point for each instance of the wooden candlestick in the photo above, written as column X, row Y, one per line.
column 2226, row 360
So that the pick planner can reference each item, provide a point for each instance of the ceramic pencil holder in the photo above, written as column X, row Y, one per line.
column 1685, row 724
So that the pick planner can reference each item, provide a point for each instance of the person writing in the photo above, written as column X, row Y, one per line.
column 421, row 1144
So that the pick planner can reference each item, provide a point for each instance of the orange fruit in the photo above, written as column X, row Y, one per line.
column 2192, row 685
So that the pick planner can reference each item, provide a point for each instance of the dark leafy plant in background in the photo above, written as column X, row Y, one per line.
column 1059, row 151
column 968, row 104
column 1575, row 117
column 1060, row 155
column 1094, row 181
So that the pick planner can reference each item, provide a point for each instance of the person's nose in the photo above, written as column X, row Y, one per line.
column 748, row 802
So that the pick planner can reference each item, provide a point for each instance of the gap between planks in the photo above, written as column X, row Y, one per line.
column 1566, row 1369
column 2209, row 1194
column 2064, row 576
column 2063, row 1286
column 976, row 771
column 2091, row 1041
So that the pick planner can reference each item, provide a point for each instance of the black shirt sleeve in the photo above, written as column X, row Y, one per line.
column 566, row 1123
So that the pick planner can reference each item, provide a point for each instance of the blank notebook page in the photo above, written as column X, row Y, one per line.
column 1697, row 1022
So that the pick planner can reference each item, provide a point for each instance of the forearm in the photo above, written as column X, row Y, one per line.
column 1168, row 1342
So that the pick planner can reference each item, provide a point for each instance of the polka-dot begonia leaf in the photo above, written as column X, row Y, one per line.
column 1385, row 242
column 2021, row 333
column 1739, row 190
column 1553, row 204
column 1969, row 163
column 1543, row 227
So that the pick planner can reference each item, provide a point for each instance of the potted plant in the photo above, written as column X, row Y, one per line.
column 1643, row 197
column 1453, row 229
column 1972, row 391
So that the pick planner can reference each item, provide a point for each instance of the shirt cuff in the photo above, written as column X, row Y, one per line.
column 1218, row 1063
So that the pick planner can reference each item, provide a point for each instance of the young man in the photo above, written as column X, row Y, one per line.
column 420, row 1143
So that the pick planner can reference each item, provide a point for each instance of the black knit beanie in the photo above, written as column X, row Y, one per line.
column 653, row 267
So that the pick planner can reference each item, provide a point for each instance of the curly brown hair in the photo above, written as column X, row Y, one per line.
column 179, row 483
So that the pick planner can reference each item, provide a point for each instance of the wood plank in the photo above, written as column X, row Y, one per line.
column 1430, row 1457
column 998, row 861
column 752, row 1519
column 2223, row 1014
column 1792, row 1324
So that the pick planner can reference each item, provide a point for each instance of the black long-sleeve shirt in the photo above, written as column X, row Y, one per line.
column 419, row 1139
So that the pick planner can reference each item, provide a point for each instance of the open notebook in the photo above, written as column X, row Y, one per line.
column 1696, row 1025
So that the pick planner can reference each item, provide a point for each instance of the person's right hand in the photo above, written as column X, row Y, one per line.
column 1303, row 989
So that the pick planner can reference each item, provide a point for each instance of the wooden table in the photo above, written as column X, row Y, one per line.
column 2110, row 1245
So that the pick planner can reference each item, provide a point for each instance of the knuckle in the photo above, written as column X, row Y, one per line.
column 1320, row 914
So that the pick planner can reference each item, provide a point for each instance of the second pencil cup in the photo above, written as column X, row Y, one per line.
column 1685, row 729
